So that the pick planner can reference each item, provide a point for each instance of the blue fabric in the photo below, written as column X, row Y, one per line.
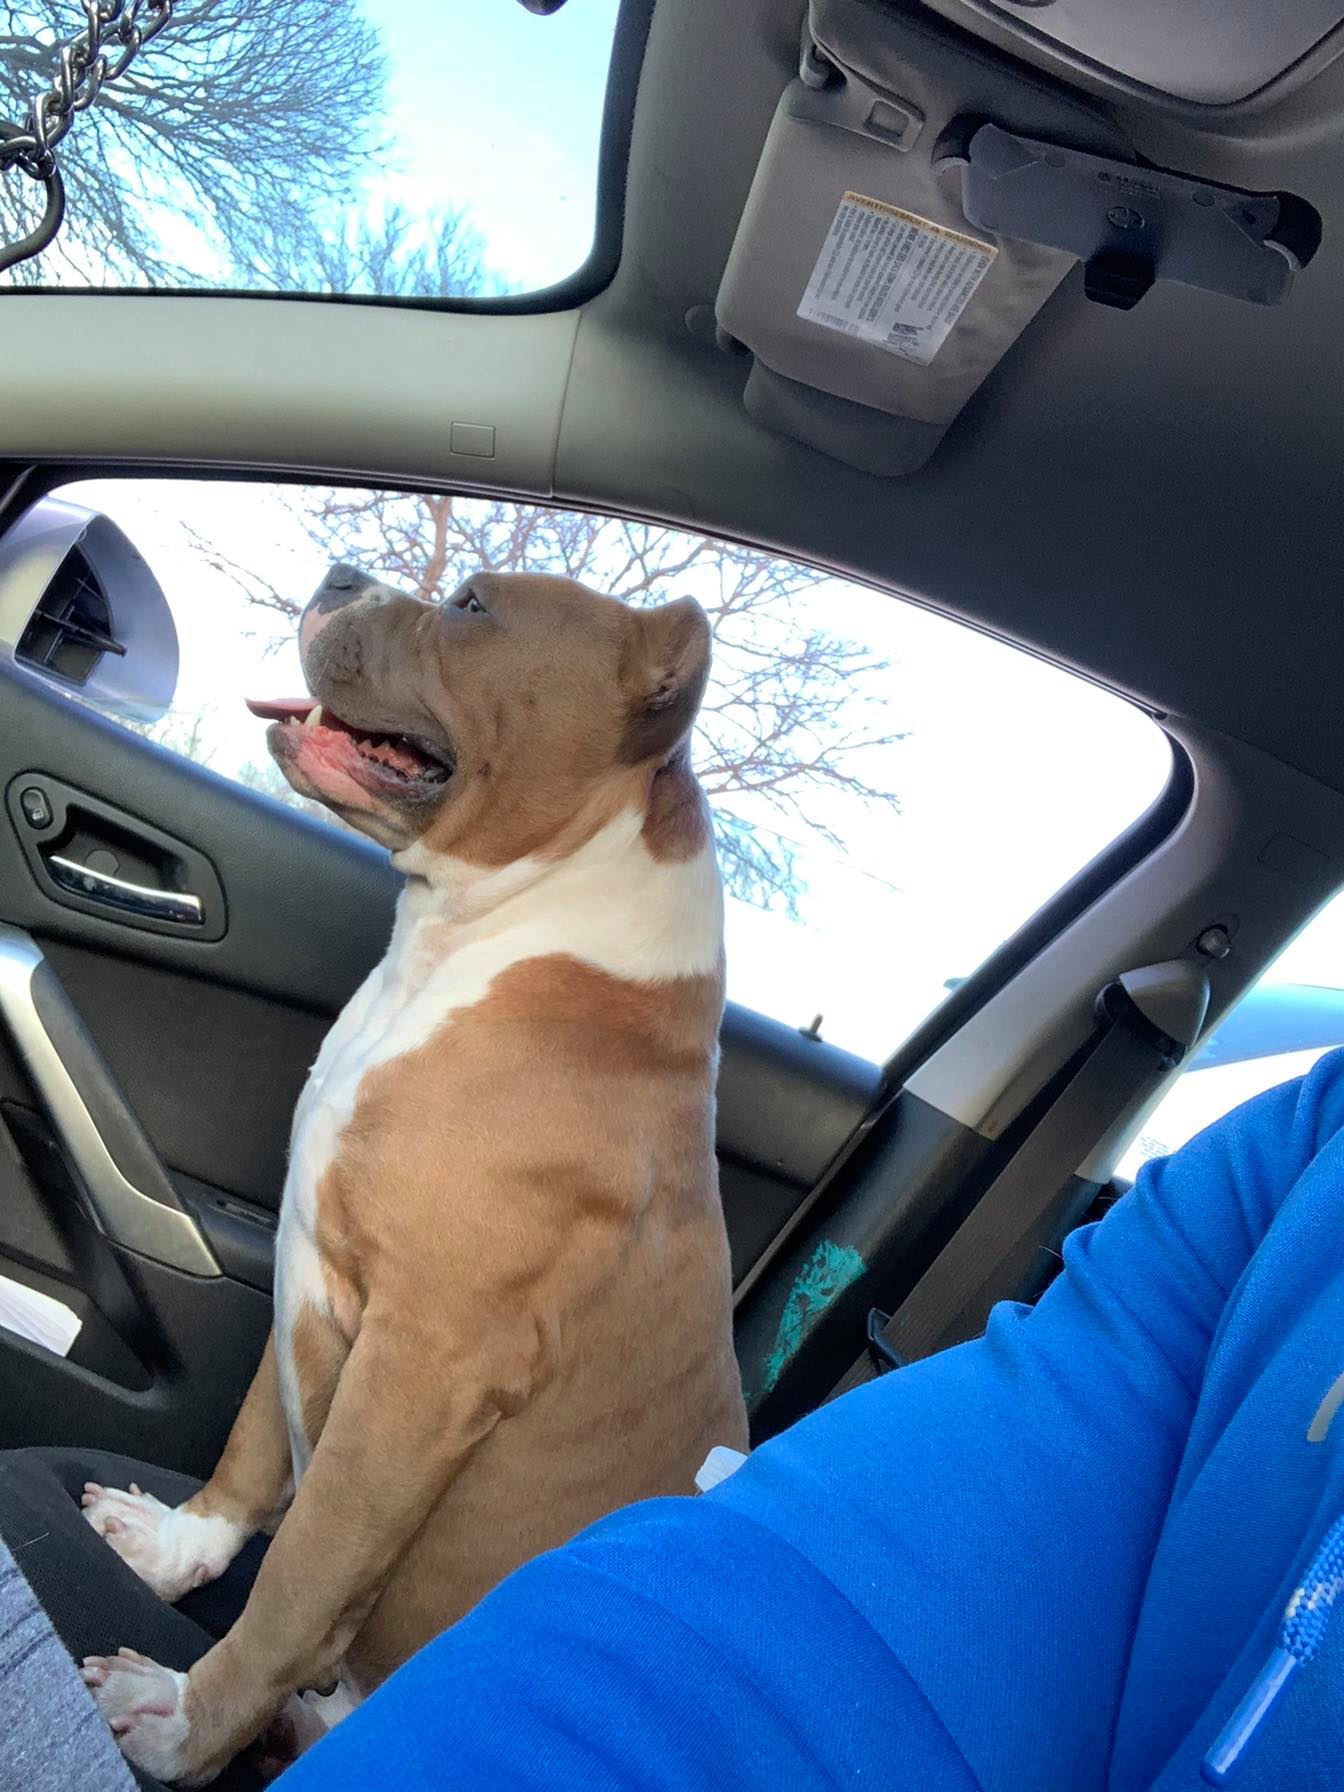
column 1056, row 1558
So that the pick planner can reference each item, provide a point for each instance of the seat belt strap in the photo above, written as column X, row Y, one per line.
column 983, row 1260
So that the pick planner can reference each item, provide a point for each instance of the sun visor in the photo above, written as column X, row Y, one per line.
column 872, row 307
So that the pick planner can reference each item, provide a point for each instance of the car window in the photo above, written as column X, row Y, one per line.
column 1286, row 1020
column 389, row 149
column 894, row 794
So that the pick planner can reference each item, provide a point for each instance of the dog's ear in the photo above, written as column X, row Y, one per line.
column 664, row 671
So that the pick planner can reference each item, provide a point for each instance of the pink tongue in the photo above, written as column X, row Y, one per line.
column 280, row 709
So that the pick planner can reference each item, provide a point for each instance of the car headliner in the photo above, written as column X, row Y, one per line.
column 1152, row 497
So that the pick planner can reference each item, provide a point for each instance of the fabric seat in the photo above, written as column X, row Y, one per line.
column 95, row 1603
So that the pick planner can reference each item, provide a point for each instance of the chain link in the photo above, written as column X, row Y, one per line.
column 83, row 69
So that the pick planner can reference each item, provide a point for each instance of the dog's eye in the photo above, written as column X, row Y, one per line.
column 471, row 604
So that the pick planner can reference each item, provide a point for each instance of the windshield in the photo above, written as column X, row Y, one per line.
column 421, row 149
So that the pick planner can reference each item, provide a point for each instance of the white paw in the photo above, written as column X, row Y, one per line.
column 171, row 1550
column 143, row 1705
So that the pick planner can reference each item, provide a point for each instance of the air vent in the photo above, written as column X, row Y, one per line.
column 71, row 628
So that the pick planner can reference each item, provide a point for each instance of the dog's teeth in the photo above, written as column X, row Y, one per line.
column 314, row 717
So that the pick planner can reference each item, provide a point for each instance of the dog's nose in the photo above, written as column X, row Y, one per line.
column 343, row 585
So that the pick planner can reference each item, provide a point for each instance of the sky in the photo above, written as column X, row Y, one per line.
column 502, row 113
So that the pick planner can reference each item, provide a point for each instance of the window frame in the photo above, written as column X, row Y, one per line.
column 1127, row 851
column 594, row 274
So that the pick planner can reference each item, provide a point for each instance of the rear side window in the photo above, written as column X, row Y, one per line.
column 894, row 793
column 1286, row 1020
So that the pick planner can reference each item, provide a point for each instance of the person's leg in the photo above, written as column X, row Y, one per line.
column 53, row 1736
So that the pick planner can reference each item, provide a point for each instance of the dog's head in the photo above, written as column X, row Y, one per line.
column 489, row 726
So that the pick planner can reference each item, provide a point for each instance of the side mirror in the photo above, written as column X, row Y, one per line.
column 80, row 608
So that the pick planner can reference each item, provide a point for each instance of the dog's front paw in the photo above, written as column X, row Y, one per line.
column 171, row 1550
column 145, row 1708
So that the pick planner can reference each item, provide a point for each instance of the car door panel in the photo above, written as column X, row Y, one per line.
column 217, row 1091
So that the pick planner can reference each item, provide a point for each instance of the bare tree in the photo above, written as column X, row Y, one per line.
column 386, row 251
column 214, row 148
column 792, row 716
column 181, row 733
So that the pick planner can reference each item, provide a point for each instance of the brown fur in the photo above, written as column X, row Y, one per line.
column 319, row 1353
column 562, row 704
column 588, row 1249
column 676, row 819
column 583, row 1364
column 252, row 1478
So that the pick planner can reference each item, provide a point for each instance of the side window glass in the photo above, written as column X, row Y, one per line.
column 894, row 793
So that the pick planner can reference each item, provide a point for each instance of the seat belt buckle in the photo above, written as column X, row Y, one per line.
column 880, row 1352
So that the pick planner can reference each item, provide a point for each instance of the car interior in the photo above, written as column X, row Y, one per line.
column 1112, row 439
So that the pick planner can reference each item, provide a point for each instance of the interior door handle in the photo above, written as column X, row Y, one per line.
column 127, row 898
column 102, row 861
column 126, row 1190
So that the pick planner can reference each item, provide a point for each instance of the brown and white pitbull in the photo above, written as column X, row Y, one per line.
column 502, row 1298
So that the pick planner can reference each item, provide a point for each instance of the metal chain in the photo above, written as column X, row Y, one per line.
column 84, row 67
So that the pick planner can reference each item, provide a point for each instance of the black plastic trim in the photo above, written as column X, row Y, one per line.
column 241, row 1234
column 68, row 804
column 908, row 1188
column 135, row 777
column 788, row 1101
column 108, row 1108
column 199, row 1342
column 592, row 277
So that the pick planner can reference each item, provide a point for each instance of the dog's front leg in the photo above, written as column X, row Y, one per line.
column 408, row 1411
column 176, row 1548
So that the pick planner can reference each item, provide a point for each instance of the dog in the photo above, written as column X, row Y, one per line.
column 502, row 1291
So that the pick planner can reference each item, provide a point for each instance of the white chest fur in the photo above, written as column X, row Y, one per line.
column 611, row 905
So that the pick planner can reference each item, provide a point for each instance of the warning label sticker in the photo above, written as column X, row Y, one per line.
column 893, row 278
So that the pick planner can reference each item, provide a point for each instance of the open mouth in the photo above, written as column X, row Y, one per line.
column 389, row 761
